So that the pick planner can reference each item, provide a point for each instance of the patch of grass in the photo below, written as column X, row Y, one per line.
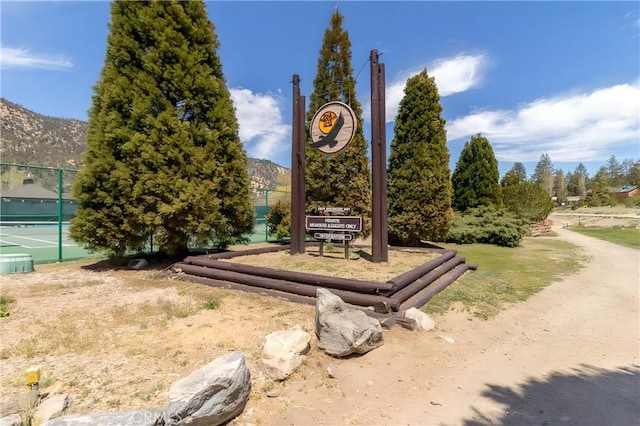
column 507, row 275
column 629, row 237
column 5, row 301
column 211, row 304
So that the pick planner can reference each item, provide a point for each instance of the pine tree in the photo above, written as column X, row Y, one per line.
column 475, row 178
column 614, row 170
column 560, row 187
column 342, row 179
column 633, row 173
column 520, row 170
column 515, row 175
column 419, row 186
column 164, row 159
column 598, row 193
column 581, row 176
column 543, row 174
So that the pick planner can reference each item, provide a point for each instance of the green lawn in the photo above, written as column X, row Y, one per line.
column 506, row 275
column 629, row 237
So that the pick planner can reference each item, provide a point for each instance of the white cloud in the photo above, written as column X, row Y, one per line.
column 22, row 58
column 454, row 74
column 262, row 130
column 575, row 127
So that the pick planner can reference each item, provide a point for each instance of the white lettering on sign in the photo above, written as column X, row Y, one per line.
column 337, row 223
column 327, row 236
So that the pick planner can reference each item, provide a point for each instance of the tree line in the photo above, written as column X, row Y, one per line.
column 164, row 163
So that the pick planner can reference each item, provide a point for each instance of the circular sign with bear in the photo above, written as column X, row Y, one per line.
column 333, row 127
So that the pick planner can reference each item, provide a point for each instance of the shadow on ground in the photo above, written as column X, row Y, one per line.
column 588, row 396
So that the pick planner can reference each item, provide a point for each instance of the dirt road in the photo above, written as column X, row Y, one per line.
column 570, row 355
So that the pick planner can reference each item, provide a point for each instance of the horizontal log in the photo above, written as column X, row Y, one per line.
column 353, row 298
column 248, row 289
column 358, row 286
column 405, row 293
column 268, row 292
column 408, row 277
column 421, row 298
column 260, row 250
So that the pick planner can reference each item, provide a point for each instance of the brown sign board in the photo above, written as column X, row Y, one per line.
column 333, row 127
column 334, row 223
column 331, row 236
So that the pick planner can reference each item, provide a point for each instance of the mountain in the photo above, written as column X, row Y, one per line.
column 36, row 139
column 32, row 138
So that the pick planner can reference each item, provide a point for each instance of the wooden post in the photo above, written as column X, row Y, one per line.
column 297, row 171
column 379, row 236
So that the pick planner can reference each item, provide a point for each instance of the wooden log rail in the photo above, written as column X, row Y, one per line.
column 302, row 277
column 352, row 297
column 410, row 289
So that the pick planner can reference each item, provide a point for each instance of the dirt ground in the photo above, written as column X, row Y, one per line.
column 115, row 340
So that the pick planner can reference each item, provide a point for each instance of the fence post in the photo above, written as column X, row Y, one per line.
column 266, row 227
column 59, row 215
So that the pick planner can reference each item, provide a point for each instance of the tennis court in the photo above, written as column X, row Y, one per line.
column 40, row 240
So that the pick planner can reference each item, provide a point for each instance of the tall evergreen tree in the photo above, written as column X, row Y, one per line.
column 475, row 178
column 543, row 174
column 627, row 168
column 599, row 186
column 341, row 179
column 614, row 170
column 419, row 186
column 515, row 175
column 582, row 176
column 633, row 173
column 164, row 159
column 560, row 187
column 572, row 184
column 520, row 170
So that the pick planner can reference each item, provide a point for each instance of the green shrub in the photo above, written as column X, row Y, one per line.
column 5, row 301
column 279, row 219
column 632, row 201
column 487, row 225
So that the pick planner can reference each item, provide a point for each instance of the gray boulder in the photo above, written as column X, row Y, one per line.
column 124, row 418
column 211, row 395
column 283, row 352
column 342, row 330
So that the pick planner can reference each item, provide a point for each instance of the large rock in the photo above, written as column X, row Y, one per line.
column 124, row 418
column 423, row 320
column 52, row 407
column 211, row 395
column 342, row 330
column 14, row 419
column 283, row 352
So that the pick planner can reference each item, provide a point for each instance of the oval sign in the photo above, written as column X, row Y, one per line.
column 333, row 127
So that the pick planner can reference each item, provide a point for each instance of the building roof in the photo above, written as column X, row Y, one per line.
column 623, row 189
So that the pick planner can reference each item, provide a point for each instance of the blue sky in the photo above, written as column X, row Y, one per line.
column 561, row 78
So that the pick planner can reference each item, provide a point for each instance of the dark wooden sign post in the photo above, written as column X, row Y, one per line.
column 297, row 171
column 379, row 236
column 331, row 129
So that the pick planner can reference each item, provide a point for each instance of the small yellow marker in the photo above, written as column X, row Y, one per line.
column 32, row 378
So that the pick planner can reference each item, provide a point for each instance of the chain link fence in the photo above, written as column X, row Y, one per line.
column 36, row 206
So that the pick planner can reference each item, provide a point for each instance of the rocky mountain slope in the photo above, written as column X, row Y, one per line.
column 35, row 139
